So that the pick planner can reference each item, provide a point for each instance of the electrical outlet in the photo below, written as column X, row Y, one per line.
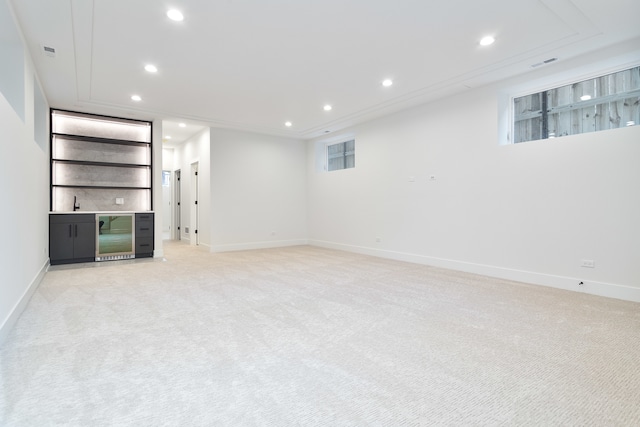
column 588, row 263
column 432, row 177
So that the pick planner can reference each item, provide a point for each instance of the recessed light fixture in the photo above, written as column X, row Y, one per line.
column 327, row 107
column 175, row 15
column 486, row 41
column 136, row 98
column 387, row 82
column 151, row 68
column 167, row 137
column 631, row 123
column 288, row 124
column 585, row 97
column 182, row 125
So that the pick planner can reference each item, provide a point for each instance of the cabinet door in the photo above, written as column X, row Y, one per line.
column 84, row 234
column 60, row 241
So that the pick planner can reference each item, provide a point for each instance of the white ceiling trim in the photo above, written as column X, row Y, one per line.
column 82, row 21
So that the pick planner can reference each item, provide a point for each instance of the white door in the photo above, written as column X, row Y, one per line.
column 177, row 231
column 166, row 204
column 194, row 205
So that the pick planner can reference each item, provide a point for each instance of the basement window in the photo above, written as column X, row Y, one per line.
column 341, row 155
column 602, row 103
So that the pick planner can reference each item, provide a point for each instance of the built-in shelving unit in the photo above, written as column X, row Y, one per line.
column 100, row 163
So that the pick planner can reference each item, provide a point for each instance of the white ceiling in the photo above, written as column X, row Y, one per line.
column 255, row 64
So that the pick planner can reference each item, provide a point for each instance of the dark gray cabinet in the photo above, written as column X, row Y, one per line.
column 72, row 238
column 144, row 235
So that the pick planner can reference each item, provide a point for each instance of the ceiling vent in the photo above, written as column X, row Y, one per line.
column 545, row 62
column 49, row 51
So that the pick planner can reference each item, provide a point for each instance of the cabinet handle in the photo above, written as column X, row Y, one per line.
column 76, row 230
column 143, row 244
column 144, row 229
column 70, row 235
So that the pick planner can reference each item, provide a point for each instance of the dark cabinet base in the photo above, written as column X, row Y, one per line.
column 72, row 237
column 144, row 235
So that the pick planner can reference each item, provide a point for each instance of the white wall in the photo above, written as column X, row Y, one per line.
column 158, row 196
column 24, row 181
column 195, row 149
column 167, row 158
column 258, row 191
column 527, row 212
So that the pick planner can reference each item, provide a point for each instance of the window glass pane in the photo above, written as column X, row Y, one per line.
column 602, row 103
column 341, row 156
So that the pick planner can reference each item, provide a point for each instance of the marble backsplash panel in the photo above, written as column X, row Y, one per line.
column 80, row 124
column 100, row 200
column 70, row 149
column 107, row 176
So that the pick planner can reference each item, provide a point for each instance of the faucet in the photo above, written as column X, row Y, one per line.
column 76, row 206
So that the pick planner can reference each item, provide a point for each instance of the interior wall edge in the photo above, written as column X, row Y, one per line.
column 12, row 318
column 608, row 290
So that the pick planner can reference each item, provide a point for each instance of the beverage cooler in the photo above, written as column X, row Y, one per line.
column 115, row 236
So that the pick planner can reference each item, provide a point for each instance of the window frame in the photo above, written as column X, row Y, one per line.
column 321, row 150
column 343, row 141
column 549, row 83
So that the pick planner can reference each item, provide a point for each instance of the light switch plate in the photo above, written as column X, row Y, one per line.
column 119, row 200
column 589, row 263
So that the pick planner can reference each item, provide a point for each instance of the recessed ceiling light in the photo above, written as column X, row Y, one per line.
column 167, row 137
column 175, row 15
column 151, row 68
column 136, row 98
column 585, row 97
column 182, row 125
column 631, row 123
column 288, row 124
column 486, row 41
column 327, row 107
column 387, row 82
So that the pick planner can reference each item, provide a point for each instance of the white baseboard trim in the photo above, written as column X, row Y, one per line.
column 258, row 245
column 608, row 290
column 13, row 316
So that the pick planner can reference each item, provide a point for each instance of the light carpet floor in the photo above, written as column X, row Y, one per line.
column 305, row 336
